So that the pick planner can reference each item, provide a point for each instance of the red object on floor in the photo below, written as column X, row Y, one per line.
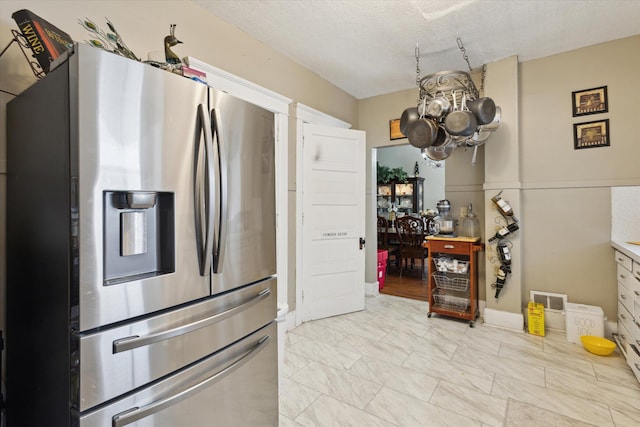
column 382, row 267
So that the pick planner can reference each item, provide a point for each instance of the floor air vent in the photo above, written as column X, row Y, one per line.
column 550, row 301
column 554, row 308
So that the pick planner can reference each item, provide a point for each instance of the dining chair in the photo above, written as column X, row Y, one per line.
column 384, row 242
column 410, row 231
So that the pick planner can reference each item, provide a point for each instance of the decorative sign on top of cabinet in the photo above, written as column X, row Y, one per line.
column 406, row 196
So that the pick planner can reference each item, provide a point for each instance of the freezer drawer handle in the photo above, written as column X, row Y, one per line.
column 136, row 341
column 136, row 413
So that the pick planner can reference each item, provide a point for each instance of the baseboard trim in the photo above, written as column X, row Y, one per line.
column 504, row 319
column 291, row 320
column 371, row 289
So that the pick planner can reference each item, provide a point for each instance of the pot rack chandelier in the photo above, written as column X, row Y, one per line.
column 450, row 112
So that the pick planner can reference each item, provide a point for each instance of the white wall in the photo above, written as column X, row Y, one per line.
column 625, row 214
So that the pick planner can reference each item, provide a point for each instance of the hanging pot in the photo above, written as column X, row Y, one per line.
column 440, row 152
column 422, row 133
column 484, row 109
column 459, row 141
column 484, row 131
column 495, row 123
column 441, row 137
column 409, row 115
column 460, row 122
column 479, row 137
column 438, row 107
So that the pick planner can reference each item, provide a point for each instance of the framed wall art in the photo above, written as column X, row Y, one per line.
column 591, row 134
column 394, row 130
column 590, row 101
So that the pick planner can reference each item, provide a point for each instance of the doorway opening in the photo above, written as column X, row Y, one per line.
column 409, row 159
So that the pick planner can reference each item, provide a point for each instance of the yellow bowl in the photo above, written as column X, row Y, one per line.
column 598, row 345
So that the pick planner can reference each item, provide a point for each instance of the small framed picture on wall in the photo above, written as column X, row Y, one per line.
column 591, row 134
column 590, row 101
column 394, row 130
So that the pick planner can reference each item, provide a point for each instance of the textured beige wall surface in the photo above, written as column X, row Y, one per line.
column 561, row 194
column 143, row 25
column 502, row 174
column 566, row 197
column 548, row 156
column 565, row 235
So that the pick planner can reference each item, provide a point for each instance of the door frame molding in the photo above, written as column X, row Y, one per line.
column 305, row 114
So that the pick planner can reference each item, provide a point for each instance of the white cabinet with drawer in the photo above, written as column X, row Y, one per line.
column 628, row 277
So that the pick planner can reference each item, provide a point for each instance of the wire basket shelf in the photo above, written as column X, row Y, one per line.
column 449, row 265
column 451, row 283
column 451, row 302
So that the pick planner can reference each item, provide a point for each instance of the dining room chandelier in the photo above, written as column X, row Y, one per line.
column 450, row 113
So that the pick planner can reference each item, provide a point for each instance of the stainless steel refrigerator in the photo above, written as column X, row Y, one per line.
column 141, row 283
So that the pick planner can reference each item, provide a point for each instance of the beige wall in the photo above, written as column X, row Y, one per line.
column 502, row 174
column 566, row 193
column 143, row 25
column 561, row 195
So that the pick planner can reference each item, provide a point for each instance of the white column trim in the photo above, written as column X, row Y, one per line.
column 299, row 203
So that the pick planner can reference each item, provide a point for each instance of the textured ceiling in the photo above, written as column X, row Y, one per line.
column 367, row 47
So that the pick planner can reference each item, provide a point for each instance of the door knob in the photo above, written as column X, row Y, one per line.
column 362, row 243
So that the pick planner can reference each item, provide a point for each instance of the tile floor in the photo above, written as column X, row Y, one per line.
column 390, row 365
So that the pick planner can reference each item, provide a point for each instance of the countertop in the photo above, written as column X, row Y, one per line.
column 630, row 250
column 455, row 239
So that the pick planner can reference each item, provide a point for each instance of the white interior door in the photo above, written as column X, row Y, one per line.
column 333, row 221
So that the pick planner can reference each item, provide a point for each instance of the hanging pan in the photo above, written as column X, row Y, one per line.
column 438, row 107
column 441, row 152
column 422, row 133
column 460, row 122
column 483, row 108
column 495, row 123
column 409, row 115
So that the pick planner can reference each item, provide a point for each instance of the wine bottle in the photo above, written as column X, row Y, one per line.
column 505, row 231
column 504, row 207
column 500, row 280
column 505, row 256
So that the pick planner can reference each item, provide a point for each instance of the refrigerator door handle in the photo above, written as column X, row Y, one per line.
column 203, row 193
column 221, row 174
column 136, row 413
column 136, row 341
